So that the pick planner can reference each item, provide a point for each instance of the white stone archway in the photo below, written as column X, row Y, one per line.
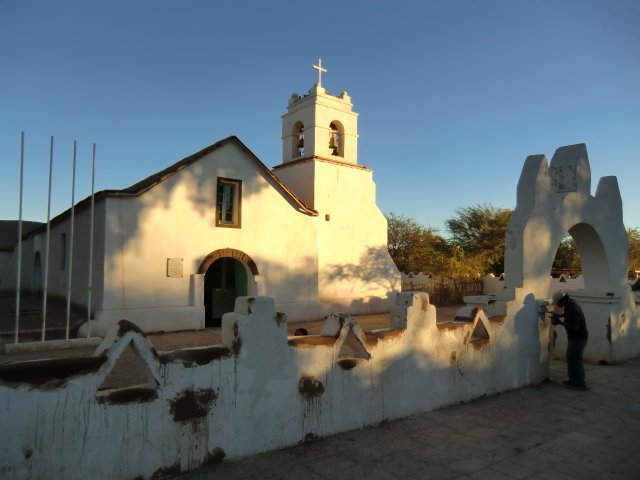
column 554, row 199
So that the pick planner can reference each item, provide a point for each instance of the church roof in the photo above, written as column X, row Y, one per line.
column 142, row 186
column 9, row 232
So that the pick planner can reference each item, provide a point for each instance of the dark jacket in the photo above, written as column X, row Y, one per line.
column 574, row 321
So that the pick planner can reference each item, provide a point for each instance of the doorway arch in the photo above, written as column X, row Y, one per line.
column 228, row 274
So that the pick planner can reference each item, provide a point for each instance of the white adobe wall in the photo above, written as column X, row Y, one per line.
column 553, row 200
column 299, row 179
column 492, row 285
column 556, row 199
column 58, row 276
column 176, row 219
column 317, row 110
column 353, row 259
column 259, row 390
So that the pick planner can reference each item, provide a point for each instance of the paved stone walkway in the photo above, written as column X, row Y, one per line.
column 542, row 432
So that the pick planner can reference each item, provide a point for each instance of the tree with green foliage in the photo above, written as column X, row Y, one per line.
column 476, row 246
column 480, row 231
column 634, row 248
column 414, row 248
column 567, row 256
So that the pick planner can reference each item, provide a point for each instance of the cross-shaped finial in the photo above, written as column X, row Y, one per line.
column 320, row 70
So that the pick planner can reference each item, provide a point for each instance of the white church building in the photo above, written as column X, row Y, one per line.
column 174, row 251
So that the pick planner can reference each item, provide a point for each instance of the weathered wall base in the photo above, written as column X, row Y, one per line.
column 259, row 390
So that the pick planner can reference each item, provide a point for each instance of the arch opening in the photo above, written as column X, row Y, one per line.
column 297, row 140
column 581, row 252
column 225, row 280
column 567, row 259
column 336, row 139
column 228, row 274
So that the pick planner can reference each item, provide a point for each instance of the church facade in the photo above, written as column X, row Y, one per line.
column 175, row 250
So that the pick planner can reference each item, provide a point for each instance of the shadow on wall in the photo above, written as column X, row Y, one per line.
column 428, row 364
column 424, row 366
column 190, row 191
column 260, row 389
column 530, row 335
column 375, row 267
column 554, row 199
column 289, row 283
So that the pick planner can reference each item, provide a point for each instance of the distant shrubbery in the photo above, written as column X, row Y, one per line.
column 475, row 245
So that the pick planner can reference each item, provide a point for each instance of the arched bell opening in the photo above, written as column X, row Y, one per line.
column 297, row 140
column 336, row 139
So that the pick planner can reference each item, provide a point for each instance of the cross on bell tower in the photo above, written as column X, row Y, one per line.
column 320, row 70
column 319, row 125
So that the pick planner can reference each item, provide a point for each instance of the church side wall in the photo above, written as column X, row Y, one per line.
column 299, row 179
column 60, row 258
column 177, row 219
column 355, row 267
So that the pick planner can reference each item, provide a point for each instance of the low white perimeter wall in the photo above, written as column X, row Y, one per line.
column 492, row 285
column 259, row 390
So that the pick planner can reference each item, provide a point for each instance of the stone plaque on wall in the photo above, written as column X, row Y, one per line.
column 564, row 178
column 174, row 267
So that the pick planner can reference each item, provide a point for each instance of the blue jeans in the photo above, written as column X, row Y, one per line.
column 575, row 367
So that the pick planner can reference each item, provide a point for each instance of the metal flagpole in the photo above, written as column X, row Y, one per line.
column 93, row 176
column 46, row 249
column 17, row 326
column 73, row 192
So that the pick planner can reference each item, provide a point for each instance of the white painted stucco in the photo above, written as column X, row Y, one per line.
column 316, row 111
column 555, row 199
column 266, row 391
column 176, row 219
column 261, row 390
column 315, row 235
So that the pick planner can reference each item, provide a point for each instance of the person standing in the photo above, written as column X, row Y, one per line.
column 577, row 337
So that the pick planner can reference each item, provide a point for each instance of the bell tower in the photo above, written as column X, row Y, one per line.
column 320, row 147
column 320, row 165
column 319, row 125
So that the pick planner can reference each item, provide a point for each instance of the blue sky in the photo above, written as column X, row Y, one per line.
column 452, row 95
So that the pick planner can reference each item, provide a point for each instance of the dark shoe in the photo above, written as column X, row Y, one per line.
column 575, row 386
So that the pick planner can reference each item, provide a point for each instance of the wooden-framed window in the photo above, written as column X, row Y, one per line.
column 229, row 197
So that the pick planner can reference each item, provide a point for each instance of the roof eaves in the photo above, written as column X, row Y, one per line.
column 146, row 184
column 302, row 207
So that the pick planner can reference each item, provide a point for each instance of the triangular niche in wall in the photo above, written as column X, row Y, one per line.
column 352, row 347
column 352, row 351
column 479, row 332
column 130, row 380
